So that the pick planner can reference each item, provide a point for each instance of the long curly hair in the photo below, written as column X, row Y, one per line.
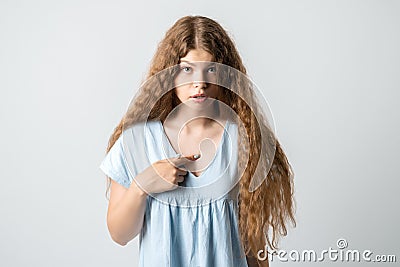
column 265, row 212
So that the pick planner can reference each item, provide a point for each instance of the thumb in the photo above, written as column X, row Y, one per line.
column 180, row 160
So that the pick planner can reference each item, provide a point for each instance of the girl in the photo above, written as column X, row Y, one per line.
column 232, row 192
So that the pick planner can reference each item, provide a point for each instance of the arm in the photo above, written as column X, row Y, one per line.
column 126, row 210
column 127, row 206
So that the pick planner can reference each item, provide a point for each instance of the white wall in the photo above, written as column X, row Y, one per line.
column 68, row 69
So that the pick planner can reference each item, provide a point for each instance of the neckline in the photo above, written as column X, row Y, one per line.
column 217, row 152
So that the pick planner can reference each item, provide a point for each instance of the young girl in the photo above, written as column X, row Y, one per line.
column 193, row 166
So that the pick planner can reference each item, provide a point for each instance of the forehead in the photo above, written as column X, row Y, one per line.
column 197, row 55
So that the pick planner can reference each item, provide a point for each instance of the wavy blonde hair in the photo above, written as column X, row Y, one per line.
column 265, row 212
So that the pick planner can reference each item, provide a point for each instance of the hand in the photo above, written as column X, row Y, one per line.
column 164, row 175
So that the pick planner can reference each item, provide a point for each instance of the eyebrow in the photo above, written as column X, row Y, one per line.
column 193, row 64
column 188, row 62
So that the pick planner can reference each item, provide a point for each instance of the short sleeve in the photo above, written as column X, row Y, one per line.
column 115, row 165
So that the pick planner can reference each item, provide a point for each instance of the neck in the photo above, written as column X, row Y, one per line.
column 196, row 118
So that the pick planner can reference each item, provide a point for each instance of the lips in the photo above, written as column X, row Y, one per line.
column 198, row 98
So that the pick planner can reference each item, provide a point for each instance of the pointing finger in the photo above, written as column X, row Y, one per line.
column 177, row 161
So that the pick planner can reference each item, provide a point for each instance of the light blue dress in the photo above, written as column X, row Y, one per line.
column 195, row 224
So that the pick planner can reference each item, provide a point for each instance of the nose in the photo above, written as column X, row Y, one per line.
column 199, row 85
column 198, row 80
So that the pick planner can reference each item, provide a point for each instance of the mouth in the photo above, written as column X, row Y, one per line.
column 198, row 98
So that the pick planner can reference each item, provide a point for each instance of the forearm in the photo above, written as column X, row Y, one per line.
column 125, row 218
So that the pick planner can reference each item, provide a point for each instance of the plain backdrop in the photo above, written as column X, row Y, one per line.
column 68, row 70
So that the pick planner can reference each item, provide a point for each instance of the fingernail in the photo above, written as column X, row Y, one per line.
column 178, row 156
column 196, row 156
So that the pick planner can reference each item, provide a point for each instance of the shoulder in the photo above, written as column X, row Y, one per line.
column 143, row 125
column 141, row 131
column 231, row 126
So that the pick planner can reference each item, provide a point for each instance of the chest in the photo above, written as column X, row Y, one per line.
column 206, row 143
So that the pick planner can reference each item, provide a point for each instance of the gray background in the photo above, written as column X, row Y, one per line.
column 68, row 69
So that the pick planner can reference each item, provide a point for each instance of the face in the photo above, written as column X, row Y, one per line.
column 195, row 82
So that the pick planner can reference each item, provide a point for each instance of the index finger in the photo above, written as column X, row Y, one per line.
column 177, row 161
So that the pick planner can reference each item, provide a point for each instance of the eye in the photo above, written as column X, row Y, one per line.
column 186, row 69
column 211, row 69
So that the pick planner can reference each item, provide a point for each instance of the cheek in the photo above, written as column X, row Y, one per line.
column 215, row 91
column 180, row 92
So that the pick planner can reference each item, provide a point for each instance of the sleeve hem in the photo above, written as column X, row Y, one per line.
column 114, row 176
